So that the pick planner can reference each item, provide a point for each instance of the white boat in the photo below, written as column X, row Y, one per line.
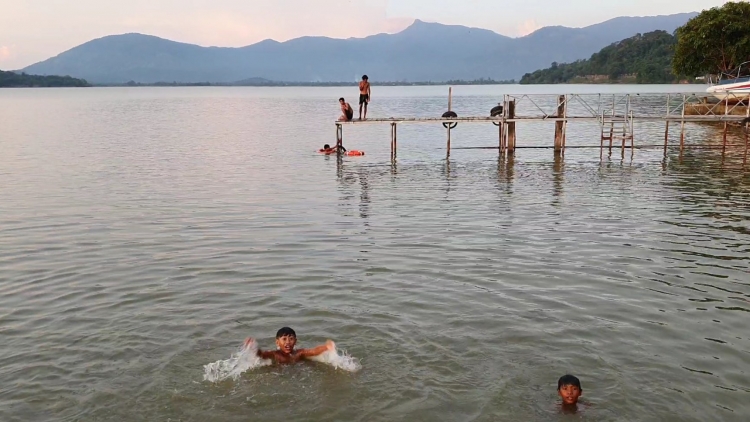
column 732, row 87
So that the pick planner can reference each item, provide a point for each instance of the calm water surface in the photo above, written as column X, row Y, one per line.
column 146, row 232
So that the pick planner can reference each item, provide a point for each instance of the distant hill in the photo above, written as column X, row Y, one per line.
column 643, row 58
column 421, row 52
column 15, row 80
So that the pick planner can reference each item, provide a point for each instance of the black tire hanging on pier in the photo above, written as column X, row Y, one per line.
column 496, row 111
column 450, row 115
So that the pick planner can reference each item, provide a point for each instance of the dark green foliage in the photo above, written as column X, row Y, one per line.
column 716, row 41
column 645, row 59
column 21, row 80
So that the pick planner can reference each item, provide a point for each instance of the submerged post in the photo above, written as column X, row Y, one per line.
column 511, row 139
column 666, row 129
column 448, row 145
column 450, row 100
column 339, row 136
column 503, row 126
column 682, row 125
column 724, row 139
column 559, row 124
column 500, row 138
column 395, row 139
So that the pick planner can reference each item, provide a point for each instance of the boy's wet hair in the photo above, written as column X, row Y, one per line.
column 364, row 77
column 342, row 99
column 569, row 380
column 285, row 331
column 326, row 146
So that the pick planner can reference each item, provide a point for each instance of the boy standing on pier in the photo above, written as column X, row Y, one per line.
column 364, row 95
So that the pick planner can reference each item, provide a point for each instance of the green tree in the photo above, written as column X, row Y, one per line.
column 716, row 41
column 647, row 56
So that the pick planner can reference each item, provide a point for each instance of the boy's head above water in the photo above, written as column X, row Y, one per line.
column 569, row 389
column 286, row 338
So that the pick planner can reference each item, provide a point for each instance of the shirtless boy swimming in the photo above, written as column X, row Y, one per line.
column 286, row 338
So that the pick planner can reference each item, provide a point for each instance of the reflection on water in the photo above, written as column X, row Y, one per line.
column 145, row 233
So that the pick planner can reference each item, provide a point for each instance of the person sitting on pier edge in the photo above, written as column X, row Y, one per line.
column 328, row 150
column 364, row 95
column 347, row 110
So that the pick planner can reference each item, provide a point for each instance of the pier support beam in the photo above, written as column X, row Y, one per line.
column 682, row 125
column 394, row 145
column 339, row 136
column 560, row 125
column 448, row 145
column 500, row 136
column 666, row 138
column 511, row 139
column 450, row 104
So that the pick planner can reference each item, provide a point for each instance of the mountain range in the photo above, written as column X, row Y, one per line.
column 422, row 52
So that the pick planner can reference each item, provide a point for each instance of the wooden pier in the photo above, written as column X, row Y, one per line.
column 614, row 113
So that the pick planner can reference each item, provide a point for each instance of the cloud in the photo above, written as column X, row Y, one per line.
column 239, row 26
column 527, row 27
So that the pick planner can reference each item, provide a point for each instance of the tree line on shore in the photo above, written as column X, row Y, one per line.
column 22, row 80
column 715, row 42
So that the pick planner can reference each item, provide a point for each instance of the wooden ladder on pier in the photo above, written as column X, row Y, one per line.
column 616, row 127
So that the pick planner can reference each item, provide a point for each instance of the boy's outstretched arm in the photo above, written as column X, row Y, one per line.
column 261, row 353
column 315, row 351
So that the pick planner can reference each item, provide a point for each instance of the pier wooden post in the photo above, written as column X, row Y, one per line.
column 511, row 139
column 448, row 145
column 724, row 139
column 395, row 139
column 666, row 129
column 500, row 137
column 559, row 125
column 339, row 137
column 747, row 141
column 682, row 126
column 450, row 101
column 503, row 127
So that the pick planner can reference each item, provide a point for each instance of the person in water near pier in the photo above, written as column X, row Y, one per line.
column 569, row 389
column 364, row 95
column 328, row 150
column 285, row 352
column 347, row 110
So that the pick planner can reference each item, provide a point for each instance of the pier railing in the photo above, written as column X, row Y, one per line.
column 614, row 113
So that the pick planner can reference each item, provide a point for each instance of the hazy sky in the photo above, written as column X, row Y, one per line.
column 34, row 30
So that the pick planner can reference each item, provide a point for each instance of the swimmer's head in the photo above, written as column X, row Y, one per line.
column 326, row 146
column 569, row 389
column 286, row 338
column 342, row 100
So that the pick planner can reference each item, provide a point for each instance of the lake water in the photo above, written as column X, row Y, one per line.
column 145, row 232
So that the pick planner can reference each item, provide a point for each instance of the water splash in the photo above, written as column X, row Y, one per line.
column 245, row 359
column 342, row 361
